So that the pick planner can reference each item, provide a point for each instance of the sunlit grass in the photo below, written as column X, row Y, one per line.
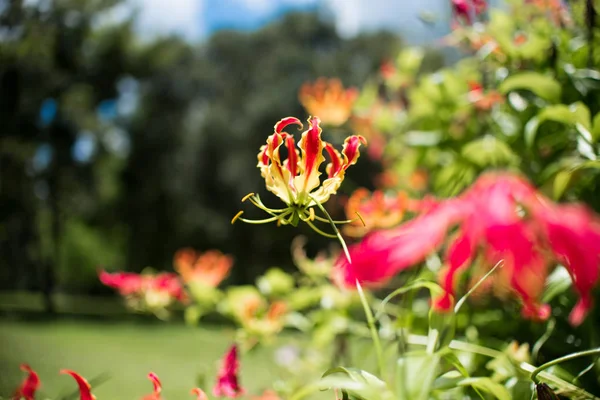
column 125, row 352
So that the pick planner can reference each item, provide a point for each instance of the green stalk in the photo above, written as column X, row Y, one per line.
column 335, row 229
column 373, row 329
column 559, row 360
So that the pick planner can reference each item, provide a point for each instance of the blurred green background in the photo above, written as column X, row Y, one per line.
column 117, row 148
column 124, row 139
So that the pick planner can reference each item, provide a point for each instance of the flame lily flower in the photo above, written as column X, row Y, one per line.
column 29, row 386
column 84, row 387
column 209, row 268
column 296, row 180
column 376, row 209
column 146, row 291
column 329, row 99
column 513, row 223
column 227, row 381
column 157, row 388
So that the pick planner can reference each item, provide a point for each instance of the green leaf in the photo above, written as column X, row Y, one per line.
column 543, row 86
column 509, row 124
column 450, row 357
column 422, row 138
column 487, row 385
column 416, row 373
column 442, row 328
column 434, row 290
column 561, row 181
column 596, row 128
column 192, row 315
column 409, row 60
column 275, row 282
column 557, row 283
column 489, row 151
column 576, row 113
column 520, row 389
column 356, row 382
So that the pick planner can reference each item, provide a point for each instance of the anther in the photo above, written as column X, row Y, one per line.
column 236, row 217
column 246, row 197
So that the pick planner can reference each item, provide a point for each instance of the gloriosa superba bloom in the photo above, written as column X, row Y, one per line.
column 296, row 180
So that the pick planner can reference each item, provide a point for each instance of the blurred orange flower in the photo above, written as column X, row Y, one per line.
column 199, row 393
column 418, row 180
column 270, row 321
column 267, row 395
column 377, row 210
column 328, row 99
column 483, row 100
column 209, row 268
column 387, row 69
column 29, row 386
column 555, row 9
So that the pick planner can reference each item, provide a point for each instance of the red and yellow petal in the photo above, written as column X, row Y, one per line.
column 285, row 122
column 311, row 147
column 337, row 162
column 351, row 149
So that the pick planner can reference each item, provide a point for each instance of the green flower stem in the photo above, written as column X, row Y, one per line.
column 569, row 357
column 335, row 229
column 373, row 329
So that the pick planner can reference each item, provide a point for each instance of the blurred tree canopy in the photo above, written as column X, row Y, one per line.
column 115, row 152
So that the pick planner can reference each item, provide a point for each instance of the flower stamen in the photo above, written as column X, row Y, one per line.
column 246, row 197
column 237, row 216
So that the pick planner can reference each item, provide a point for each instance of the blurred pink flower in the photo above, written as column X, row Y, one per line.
column 500, row 218
column 157, row 289
column 29, row 385
column 227, row 381
column 464, row 10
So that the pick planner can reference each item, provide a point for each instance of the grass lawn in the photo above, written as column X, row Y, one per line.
column 126, row 352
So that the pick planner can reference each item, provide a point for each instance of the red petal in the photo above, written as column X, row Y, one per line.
column 335, row 166
column 382, row 254
column 29, row 386
column 125, row 282
column 312, row 146
column 574, row 236
column 292, row 160
column 156, row 383
column 84, row 387
column 459, row 254
column 227, row 381
column 283, row 123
